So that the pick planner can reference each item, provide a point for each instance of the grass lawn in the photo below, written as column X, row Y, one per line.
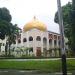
column 43, row 66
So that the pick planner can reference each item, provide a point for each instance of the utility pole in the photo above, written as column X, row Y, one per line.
column 63, row 52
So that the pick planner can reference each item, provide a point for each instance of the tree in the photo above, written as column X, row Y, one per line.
column 5, row 19
column 3, row 28
column 7, row 28
column 69, row 23
column 5, row 14
column 13, row 32
column 72, row 26
column 66, row 11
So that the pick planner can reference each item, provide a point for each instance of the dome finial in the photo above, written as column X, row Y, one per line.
column 34, row 17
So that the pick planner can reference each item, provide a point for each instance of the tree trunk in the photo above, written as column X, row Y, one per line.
column 6, row 47
column 0, row 48
column 9, row 50
column 9, row 47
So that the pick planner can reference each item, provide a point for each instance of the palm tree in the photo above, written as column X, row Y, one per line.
column 13, row 32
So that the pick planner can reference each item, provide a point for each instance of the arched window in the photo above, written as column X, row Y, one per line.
column 30, row 38
column 55, row 37
column 44, row 39
column 38, row 38
column 24, row 40
column 45, row 42
column 59, row 42
column 50, row 41
column 19, row 41
column 50, row 36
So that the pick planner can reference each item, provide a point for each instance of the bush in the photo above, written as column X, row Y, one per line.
column 7, row 56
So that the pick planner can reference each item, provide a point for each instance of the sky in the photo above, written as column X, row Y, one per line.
column 23, row 11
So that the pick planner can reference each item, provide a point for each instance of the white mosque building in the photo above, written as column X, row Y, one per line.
column 36, row 40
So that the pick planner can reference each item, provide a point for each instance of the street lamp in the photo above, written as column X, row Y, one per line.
column 63, row 52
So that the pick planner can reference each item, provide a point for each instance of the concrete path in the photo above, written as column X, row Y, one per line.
column 34, row 59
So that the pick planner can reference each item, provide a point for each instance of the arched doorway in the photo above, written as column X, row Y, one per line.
column 38, row 51
column 44, row 46
column 50, row 43
column 44, row 42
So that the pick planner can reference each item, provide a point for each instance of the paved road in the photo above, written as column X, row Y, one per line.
column 22, row 72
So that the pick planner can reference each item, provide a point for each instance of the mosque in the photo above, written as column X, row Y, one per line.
column 35, row 40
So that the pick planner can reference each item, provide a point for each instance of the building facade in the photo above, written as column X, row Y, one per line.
column 36, row 40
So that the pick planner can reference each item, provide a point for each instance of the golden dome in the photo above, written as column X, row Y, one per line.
column 35, row 24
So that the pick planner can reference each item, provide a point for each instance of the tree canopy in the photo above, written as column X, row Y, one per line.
column 5, row 14
column 69, row 23
column 5, row 19
column 6, row 27
column 66, row 11
column 3, row 29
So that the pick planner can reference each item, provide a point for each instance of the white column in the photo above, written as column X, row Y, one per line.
column 53, row 46
column 34, row 45
column 42, row 42
column 28, row 41
column 52, row 43
column 47, row 41
column 57, row 42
